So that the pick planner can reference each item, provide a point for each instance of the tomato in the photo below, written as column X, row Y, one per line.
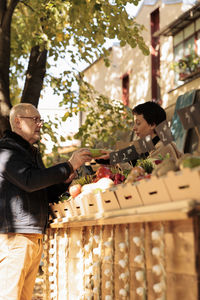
column 117, row 182
column 123, row 178
column 139, row 178
column 147, row 176
column 103, row 172
column 118, row 177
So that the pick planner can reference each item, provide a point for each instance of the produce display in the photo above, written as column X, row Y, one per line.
column 107, row 178
column 126, row 242
column 189, row 161
column 104, row 178
column 132, row 226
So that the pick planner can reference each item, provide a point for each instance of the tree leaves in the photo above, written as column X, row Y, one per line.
column 105, row 119
column 60, row 25
column 79, row 29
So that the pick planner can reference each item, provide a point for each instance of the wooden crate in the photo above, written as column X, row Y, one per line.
column 75, row 206
column 183, row 184
column 88, row 204
column 153, row 191
column 143, row 260
column 55, row 210
column 107, row 200
column 128, row 196
column 65, row 209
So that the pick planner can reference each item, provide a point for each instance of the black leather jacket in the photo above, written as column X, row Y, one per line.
column 26, row 186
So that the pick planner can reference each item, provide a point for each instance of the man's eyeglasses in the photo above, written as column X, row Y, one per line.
column 36, row 120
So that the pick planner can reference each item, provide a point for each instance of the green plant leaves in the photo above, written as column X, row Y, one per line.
column 77, row 28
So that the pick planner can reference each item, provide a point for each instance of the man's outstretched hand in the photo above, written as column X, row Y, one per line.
column 79, row 157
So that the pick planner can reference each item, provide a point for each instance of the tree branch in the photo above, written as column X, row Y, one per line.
column 34, row 76
column 27, row 6
column 8, row 12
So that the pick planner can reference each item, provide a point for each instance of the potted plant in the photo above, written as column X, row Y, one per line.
column 187, row 66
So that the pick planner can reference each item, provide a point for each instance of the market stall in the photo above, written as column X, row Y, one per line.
column 130, row 235
column 135, row 251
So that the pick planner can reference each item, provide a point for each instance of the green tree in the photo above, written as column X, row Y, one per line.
column 106, row 120
column 35, row 32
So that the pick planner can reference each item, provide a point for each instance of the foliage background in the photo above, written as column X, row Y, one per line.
column 41, row 32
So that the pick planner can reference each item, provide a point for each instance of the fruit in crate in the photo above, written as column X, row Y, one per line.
column 100, row 185
column 136, row 173
column 189, row 162
column 76, row 187
column 168, row 164
column 89, row 187
column 103, row 179
column 118, row 176
column 104, row 183
column 103, row 172
column 74, row 190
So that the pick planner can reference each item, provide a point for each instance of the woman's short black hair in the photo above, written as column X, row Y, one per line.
column 152, row 112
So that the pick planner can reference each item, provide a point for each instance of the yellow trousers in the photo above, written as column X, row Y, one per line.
column 20, row 256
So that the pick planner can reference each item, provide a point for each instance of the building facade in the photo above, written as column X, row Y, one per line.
column 173, row 36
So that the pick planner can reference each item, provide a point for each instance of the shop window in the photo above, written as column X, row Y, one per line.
column 155, row 55
column 125, row 89
column 187, row 52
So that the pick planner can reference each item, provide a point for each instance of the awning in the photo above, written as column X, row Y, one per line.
column 182, row 21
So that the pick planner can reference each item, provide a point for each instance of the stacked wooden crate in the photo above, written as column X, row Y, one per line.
column 174, row 186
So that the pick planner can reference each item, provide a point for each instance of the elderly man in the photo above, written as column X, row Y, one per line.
column 26, row 188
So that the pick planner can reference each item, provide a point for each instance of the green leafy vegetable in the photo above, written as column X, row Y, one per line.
column 147, row 164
